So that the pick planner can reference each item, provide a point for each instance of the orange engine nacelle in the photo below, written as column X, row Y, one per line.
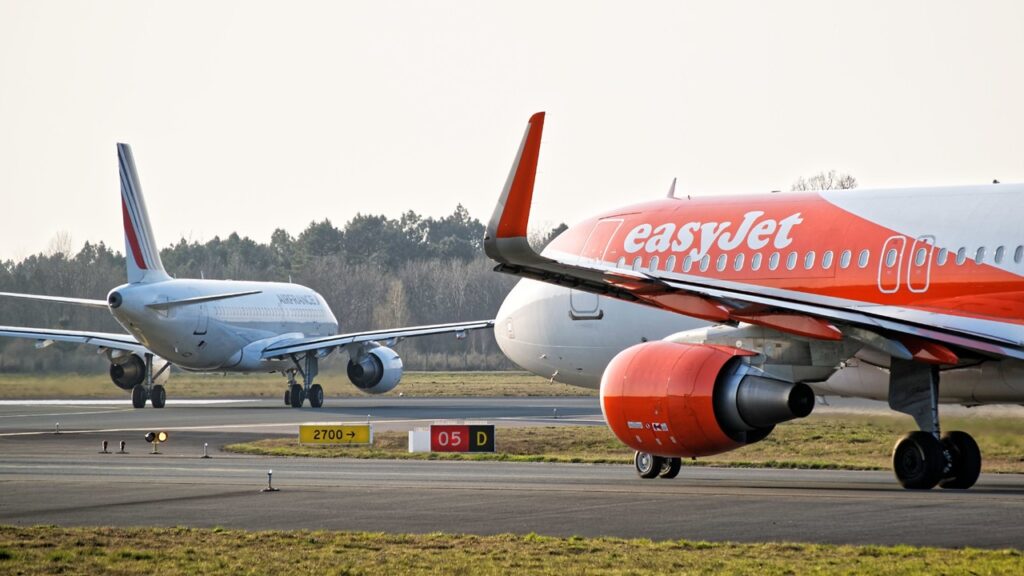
column 688, row 400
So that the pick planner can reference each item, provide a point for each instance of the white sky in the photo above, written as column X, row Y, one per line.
column 248, row 116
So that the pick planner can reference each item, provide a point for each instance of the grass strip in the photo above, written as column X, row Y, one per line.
column 849, row 442
column 171, row 551
column 335, row 383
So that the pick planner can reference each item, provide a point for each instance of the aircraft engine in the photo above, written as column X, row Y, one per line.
column 130, row 371
column 686, row 400
column 377, row 372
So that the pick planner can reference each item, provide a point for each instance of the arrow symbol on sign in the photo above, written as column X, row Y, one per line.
column 351, row 434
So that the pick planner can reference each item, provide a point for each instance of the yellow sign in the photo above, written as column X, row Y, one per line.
column 335, row 434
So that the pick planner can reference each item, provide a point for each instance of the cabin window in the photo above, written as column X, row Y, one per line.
column 979, row 256
column 826, row 260
column 844, row 259
column 961, row 256
column 705, row 262
column 864, row 258
column 737, row 264
column 720, row 263
column 773, row 261
column 636, row 264
column 755, row 262
column 1000, row 252
column 687, row 263
column 791, row 261
column 942, row 257
column 622, row 262
column 1018, row 254
column 809, row 260
column 890, row 258
column 921, row 256
column 670, row 264
column 652, row 267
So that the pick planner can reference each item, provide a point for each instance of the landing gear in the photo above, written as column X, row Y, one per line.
column 158, row 396
column 924, row 459
column 316, row 396
column 647, row 465
column 139, row 396
column 965, row 458
column 297, row 393
column 670, row 468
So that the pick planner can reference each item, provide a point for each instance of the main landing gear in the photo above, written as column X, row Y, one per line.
column 653, row 466
column 155, row 393
column 926, row 458
column 296, row 394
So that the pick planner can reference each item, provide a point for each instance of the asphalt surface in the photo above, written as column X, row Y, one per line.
column 62, row 479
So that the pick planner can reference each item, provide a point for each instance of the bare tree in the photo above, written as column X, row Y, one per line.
column 825, row 181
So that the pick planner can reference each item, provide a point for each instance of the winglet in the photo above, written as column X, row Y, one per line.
column 512, row 214
column 141, row 254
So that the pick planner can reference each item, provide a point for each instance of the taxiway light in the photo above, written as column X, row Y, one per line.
column 156, row 437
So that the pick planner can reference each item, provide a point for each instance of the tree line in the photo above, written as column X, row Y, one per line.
column 374, row 272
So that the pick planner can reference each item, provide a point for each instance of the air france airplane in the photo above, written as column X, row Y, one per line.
column 221, row 325
column 707, row 321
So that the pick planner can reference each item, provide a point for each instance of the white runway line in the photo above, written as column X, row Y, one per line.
column 114, row 402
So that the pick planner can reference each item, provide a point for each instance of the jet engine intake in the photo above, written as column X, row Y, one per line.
column 686, row 400
column 377, row 370
column 130, row 370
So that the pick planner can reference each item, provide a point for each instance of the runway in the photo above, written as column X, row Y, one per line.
column 61, row 479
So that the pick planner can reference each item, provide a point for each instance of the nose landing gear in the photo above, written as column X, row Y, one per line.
column 653, row 466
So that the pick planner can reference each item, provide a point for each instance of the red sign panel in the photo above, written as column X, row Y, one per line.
column 461, row 438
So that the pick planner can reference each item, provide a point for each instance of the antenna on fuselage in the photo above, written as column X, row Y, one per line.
column 672, row 189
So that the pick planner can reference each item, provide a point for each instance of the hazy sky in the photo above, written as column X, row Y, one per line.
column 249, row 116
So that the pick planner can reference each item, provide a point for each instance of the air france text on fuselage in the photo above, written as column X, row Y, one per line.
column 699, row 237
column 302, row 300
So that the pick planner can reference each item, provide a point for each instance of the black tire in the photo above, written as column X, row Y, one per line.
column 296, row 396
column 918, row 461
column 647, row 465
column 288, row 396
column 966, row 460
column 670, row 468
column 316, row 396
column 139, row 396
column 158, row 396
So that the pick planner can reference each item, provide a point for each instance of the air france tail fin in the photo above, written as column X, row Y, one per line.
column 141, row 253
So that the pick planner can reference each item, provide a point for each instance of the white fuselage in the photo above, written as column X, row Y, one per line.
column 570, row 337
column 223, row 335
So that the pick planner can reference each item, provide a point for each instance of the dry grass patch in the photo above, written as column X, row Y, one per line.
column 336, row 385
column 172, row 551
column 834, row 441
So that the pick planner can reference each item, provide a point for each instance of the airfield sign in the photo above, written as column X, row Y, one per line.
column 356, row 434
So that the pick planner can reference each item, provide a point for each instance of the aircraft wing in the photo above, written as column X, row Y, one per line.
column 62, row 299
column 46, row 336
column 901, row 332
column 324, row 342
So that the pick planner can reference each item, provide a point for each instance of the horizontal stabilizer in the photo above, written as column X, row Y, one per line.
column 61, row 299
column 199, row 299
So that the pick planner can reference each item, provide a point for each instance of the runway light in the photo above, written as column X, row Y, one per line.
column 162, row 436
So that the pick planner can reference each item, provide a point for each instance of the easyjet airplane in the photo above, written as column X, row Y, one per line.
column 221, row 325
column 707, row 321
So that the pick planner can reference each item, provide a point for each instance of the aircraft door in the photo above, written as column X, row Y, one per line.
column 585, row 305
column 919, row 264
column 890, row 263
column 202, row 320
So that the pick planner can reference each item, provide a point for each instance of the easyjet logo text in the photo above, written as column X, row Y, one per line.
column 754, row 231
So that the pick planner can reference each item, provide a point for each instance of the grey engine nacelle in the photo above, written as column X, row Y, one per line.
column 378, row 370
column 129, row 371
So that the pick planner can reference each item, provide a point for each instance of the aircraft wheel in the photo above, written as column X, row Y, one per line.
column 918, row 461
column 295, row 396
column 966, row 460
column 139, row 396
column 158, row 396
column 647, row 465
column 316, row 396
column 670, row 468
column 288, row 396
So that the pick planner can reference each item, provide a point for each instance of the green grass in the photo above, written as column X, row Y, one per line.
column 829, row 442
column 171, row 551
column 336, row 385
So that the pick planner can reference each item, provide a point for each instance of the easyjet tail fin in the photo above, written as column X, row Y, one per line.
column 141, row 253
